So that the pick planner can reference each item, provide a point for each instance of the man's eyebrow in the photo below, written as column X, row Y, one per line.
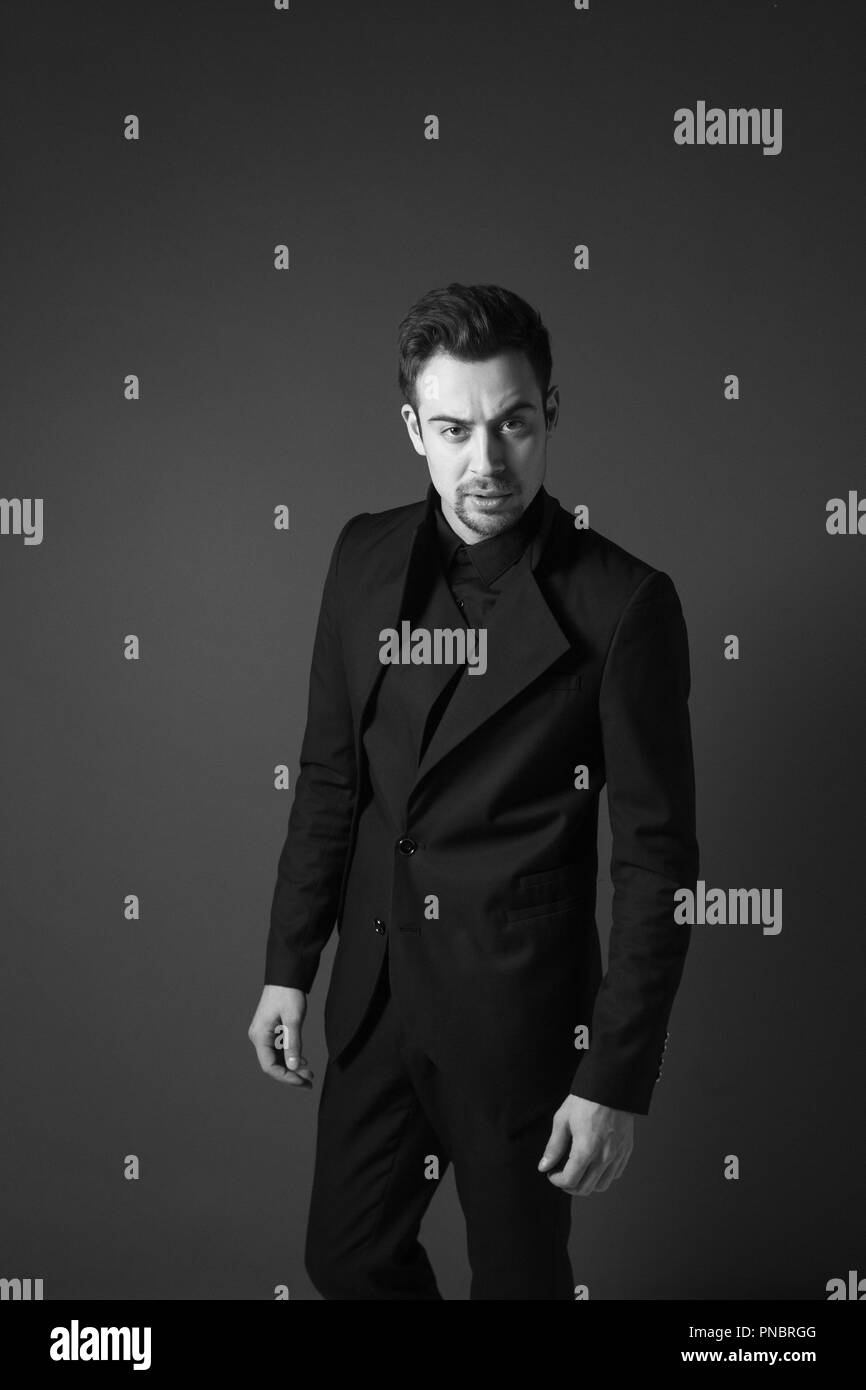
column 455, row 419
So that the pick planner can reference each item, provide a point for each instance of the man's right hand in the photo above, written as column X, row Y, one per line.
column 276, row 1021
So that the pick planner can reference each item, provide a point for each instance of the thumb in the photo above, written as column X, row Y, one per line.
column 291, row 1040
column 558, row 1143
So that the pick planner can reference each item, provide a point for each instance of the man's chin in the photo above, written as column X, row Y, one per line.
column 487, row 525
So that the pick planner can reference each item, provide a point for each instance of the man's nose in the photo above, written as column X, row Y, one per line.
column 487, row 458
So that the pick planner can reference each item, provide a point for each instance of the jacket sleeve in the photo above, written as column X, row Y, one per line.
column 646, row 736
column 313, row 856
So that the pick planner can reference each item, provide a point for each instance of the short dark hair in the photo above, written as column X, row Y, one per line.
column 472, row 323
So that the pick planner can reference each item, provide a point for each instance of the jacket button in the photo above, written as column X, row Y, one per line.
column 406, row 846
column 379, row 926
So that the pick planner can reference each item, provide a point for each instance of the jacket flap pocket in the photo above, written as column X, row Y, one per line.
column 538, row 893
column 568, row 876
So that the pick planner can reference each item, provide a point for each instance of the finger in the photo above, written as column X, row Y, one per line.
column 303, row 1076
column 266, row 1054
column 557, row 1145
column 292, row 1046
column 301, row 1067
column 605, row 1178
column 303, row 1071
column 621, row 1164
column 277, row 1071
column 294, row 1078
column 589, row 1180
column 570, row 1175
column 271, row 1061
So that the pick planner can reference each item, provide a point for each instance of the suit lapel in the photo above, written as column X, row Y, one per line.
column 389, row 598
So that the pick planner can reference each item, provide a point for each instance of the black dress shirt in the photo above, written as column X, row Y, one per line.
column 402, row 719
column 476, row 574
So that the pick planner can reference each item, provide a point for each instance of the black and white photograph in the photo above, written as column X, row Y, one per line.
column 432, row 555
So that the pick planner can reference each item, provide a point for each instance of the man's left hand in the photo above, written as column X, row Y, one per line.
column 596, row 1142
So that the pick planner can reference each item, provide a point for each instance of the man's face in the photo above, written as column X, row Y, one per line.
column 483, row 431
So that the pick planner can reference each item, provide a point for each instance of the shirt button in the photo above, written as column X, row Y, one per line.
column 460, row 603
column 406, row 846
column 379, row 926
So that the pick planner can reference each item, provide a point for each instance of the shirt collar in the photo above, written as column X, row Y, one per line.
column 493, row 556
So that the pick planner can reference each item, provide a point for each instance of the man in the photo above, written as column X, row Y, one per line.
column 446, row 817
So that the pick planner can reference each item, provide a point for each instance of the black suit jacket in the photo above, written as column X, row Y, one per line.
column 485, row 893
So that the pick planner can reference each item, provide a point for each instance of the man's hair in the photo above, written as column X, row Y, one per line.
column 472, row 323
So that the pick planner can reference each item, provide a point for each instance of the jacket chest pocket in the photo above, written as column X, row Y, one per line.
column 566, row 673
column 548, row 893
column 560, row 683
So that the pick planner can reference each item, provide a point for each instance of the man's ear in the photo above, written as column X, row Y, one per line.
column 414, row 429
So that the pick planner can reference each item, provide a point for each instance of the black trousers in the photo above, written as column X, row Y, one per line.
column 385, row 1113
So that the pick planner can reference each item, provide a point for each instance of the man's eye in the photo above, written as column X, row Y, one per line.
column 452, row 430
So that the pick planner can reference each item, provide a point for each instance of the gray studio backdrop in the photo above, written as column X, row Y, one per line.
column 261, row 388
